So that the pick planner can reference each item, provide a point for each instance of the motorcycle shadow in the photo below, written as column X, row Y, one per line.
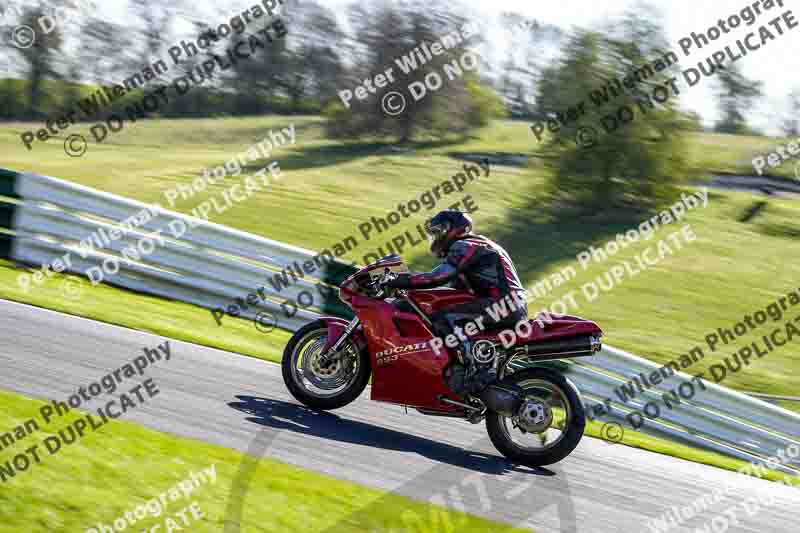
column 285, row 416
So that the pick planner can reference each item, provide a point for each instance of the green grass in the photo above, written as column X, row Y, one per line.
column 123, row 465
column 328, row 189
column 719, row 153
column 731, row 270
column 734, row 154
column 167, row 318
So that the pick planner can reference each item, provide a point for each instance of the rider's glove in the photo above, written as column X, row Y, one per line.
column 402, row 281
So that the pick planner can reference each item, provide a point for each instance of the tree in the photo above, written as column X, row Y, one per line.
column 569, row 79
column 259, row 80
column 40, row 58
column 102, row 54
column 317, row 66
column 199, row 101
column 10, row 100
column 791, row 126
column 157, row 21
column 632, row 162
column 523, row 67
column 735, row 94
column 101, row 57
column 385, row 36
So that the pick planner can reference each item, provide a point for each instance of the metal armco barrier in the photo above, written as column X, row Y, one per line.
column 212, row 265
column 209, row 265
column 714, row 418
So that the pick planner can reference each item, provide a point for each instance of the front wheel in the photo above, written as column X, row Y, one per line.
column 549, row 424
column 321, row 386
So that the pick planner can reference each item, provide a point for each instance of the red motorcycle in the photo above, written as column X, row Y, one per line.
column 534, row 415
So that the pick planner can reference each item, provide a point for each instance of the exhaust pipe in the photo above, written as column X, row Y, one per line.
column 578, row 346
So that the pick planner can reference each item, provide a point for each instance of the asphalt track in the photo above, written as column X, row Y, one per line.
column 241, row 403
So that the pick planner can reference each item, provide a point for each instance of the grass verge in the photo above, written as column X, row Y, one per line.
column 123, row 465
column 177, row 320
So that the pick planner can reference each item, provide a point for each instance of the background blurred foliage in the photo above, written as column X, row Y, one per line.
column 548, row 70
column 634, row 153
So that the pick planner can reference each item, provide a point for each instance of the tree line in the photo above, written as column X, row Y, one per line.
column 336, row 64
column 323, row 54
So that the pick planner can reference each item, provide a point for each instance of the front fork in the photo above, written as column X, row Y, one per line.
column 333, row 352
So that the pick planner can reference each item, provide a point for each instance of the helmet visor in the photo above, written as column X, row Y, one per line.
column 436, row 231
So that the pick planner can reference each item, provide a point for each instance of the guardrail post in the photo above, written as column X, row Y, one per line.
column 8, row 188
column 8, row 183
column 335, row 273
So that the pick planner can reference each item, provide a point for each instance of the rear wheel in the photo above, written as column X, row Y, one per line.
column 318, row 385
column 548, row 426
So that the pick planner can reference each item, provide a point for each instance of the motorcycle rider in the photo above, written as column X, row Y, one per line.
column 472, row 262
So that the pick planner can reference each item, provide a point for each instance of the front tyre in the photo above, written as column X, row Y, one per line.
column 548, row 426
column 320, row 386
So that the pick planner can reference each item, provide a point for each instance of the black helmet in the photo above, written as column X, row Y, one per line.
column 445, row 228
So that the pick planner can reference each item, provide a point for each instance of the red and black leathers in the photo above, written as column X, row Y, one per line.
column 473, row 262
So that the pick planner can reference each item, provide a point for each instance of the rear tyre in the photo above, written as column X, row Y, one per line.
column 317, row 386
column 560, row 427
